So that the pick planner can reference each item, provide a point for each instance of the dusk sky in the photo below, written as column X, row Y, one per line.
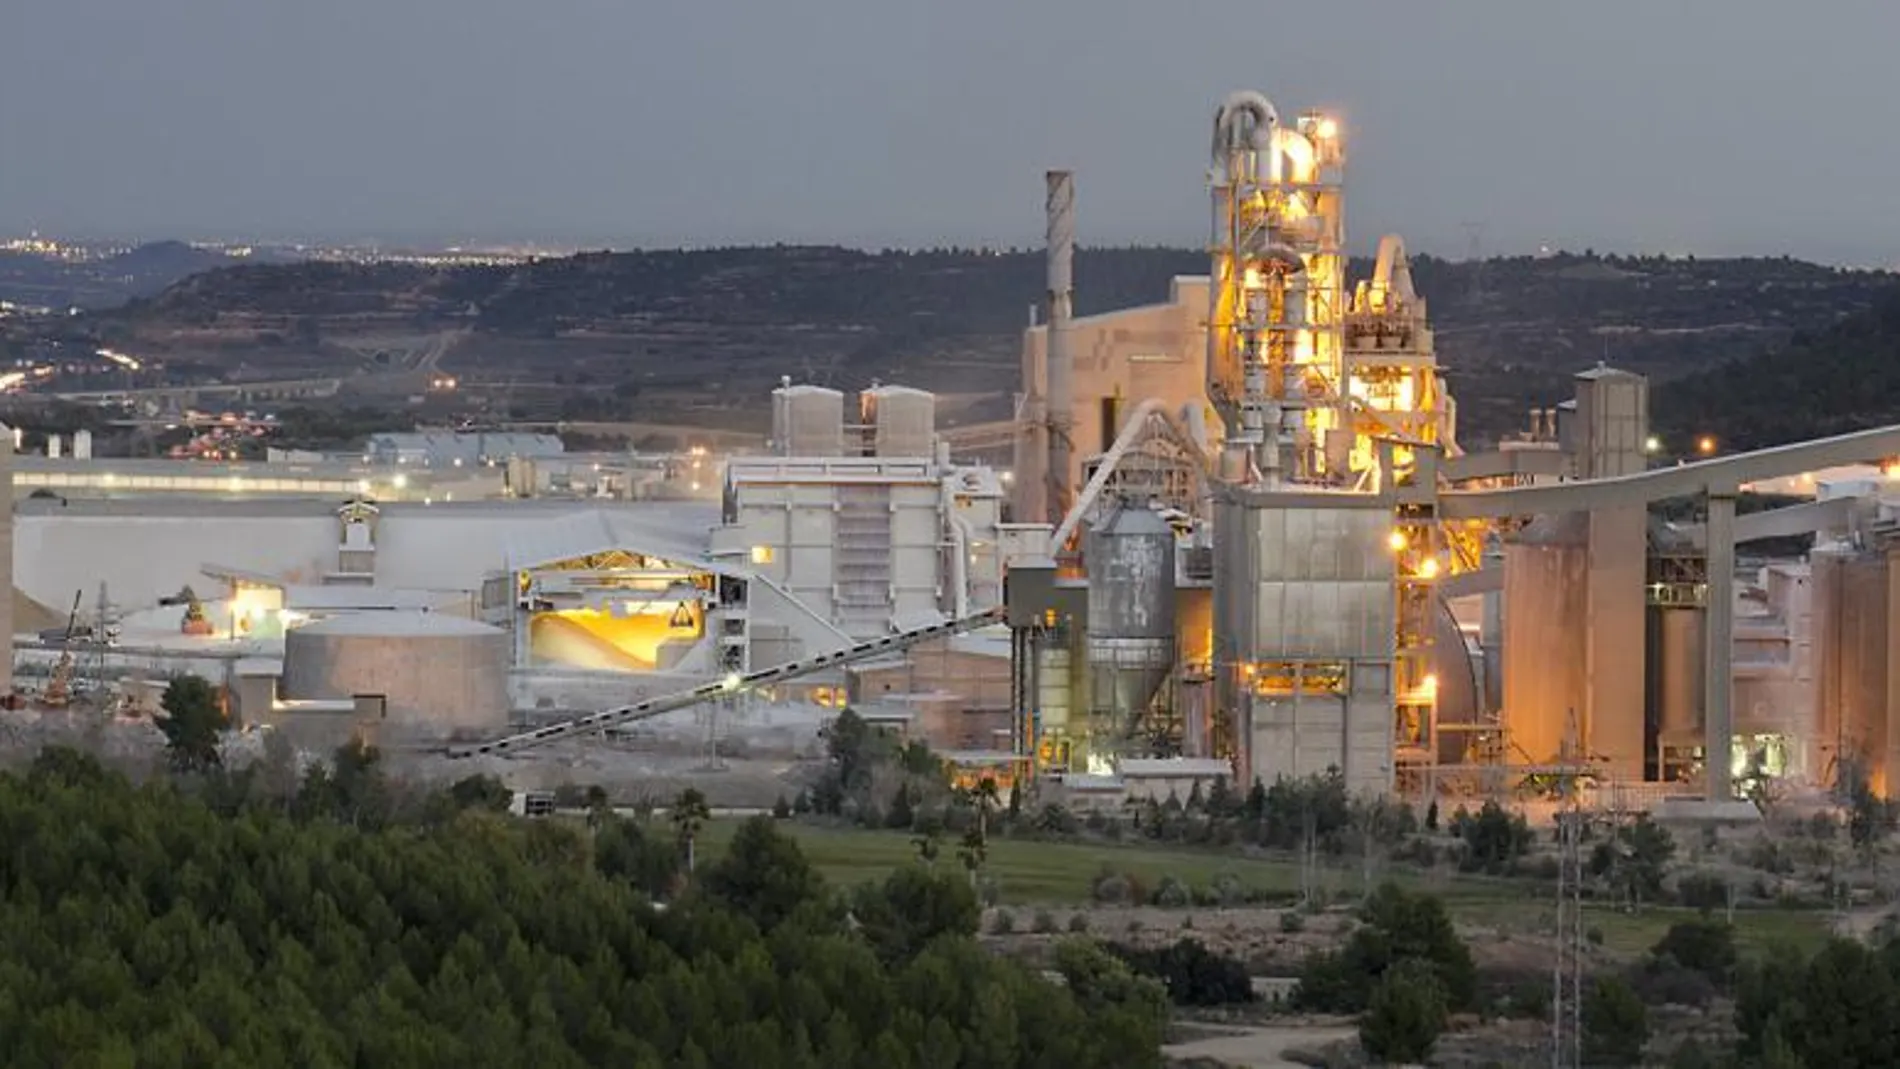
column 1707, row 126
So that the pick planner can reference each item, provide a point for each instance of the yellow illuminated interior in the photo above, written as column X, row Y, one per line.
column 592, row 639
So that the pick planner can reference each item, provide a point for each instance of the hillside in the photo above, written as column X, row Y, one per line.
column 1840, row 378
column 663, row 326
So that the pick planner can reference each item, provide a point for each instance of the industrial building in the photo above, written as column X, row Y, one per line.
column 1242, row 540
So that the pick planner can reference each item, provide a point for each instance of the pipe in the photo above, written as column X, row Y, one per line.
column 960, row 566
column 1243, row 123
column 1060, row 401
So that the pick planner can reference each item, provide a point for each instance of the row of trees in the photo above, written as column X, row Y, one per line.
column 212, row 920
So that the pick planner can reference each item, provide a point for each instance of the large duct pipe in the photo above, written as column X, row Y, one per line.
column 1060, row 398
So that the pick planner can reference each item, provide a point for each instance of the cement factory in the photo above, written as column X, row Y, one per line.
column 1238, row 538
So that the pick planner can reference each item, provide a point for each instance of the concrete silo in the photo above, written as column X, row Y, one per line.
column 807, row 421
column 440, row 676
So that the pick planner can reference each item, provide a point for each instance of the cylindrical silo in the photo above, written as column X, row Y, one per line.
column 808, row 421
column 440, row 676
column 1130, row 559
column 1546, row 568
column 903, row 421
column 1679, row 677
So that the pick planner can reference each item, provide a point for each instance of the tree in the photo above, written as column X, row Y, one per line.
column 1635, row 860
column 974, row 850
column 1706, row 946
column 1397, row 926
column 901, row 813
column 193, row 721
column 1405, row 1014
column 1494, row 838
column 911, row 908
column 481, row 792
column 1615, row 1023
column 763, row 876
column 688, row 813
column 929, row 844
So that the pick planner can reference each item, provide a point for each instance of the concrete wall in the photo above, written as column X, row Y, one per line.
column 449, row 685
column 1155, row 351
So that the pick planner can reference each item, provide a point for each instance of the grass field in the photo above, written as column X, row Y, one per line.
column 1040, row 873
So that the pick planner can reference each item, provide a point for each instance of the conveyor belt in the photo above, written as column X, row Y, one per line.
column 666, row 703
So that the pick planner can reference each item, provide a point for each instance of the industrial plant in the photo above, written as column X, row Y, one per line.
column 1238, row 538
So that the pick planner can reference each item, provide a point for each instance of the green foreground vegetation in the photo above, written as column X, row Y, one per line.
column 230, row 920
column 1038, row 872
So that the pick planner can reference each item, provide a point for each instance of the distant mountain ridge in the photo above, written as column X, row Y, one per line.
column 1511, row 331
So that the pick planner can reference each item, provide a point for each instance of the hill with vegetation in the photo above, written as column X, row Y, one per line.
column 1840, row 378
column 659, row 326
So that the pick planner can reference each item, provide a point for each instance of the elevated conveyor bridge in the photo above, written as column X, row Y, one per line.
column 714, row 691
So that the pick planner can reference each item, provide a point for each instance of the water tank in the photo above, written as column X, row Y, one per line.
column 441, row 676
column 82, row 444
column 1130, row 559
column 807, row 421
column 1679, row 676
column 902, row 421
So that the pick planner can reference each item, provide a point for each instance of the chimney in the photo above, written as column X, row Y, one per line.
column 1061, row 394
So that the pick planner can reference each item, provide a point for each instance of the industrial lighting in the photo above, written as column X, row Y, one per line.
column 1652, row 444
column 400, row 480
column 732, row 681
column 1705, row 445
column 1396, row 541
column 1328, row 129
column 1428, row 569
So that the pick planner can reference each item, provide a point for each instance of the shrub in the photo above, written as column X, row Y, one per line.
column 1045, row 922
column 1705, row 891
column 1615, row 1024
column 1078, row 923
column 1292, row 920
column 1003, row 923
column 1171, row 894
column 1398, row 927
column 1405, row 1014
column 1703, row 946
column 1193, row 974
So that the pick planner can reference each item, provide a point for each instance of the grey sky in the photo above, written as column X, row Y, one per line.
column 1713, row 126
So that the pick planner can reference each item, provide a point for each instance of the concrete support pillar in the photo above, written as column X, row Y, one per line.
column 1718, row 675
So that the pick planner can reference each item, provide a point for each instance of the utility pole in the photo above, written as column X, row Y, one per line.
column 1566, row 999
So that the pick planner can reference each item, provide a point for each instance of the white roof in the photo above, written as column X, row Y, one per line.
column 681, row 533
column 351, row 596
column 397, row 625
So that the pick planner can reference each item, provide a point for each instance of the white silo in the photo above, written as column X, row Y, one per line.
column 900, row 421
column 807, row 421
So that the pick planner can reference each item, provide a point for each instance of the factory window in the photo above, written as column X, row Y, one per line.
column 761, row 554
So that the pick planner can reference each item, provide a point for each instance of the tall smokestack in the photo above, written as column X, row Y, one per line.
column 1061, row 393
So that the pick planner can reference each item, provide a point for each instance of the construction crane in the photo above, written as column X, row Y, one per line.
column 59, row 689
column 730, row 685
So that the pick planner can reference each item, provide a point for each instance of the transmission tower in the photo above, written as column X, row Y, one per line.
column 1566, row 998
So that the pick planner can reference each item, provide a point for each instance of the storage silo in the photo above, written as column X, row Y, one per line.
column 441, row 676
column 1678, row 671
column 807, row 421
column 1130, row 559
column 901, row 422
column 1546, row 570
